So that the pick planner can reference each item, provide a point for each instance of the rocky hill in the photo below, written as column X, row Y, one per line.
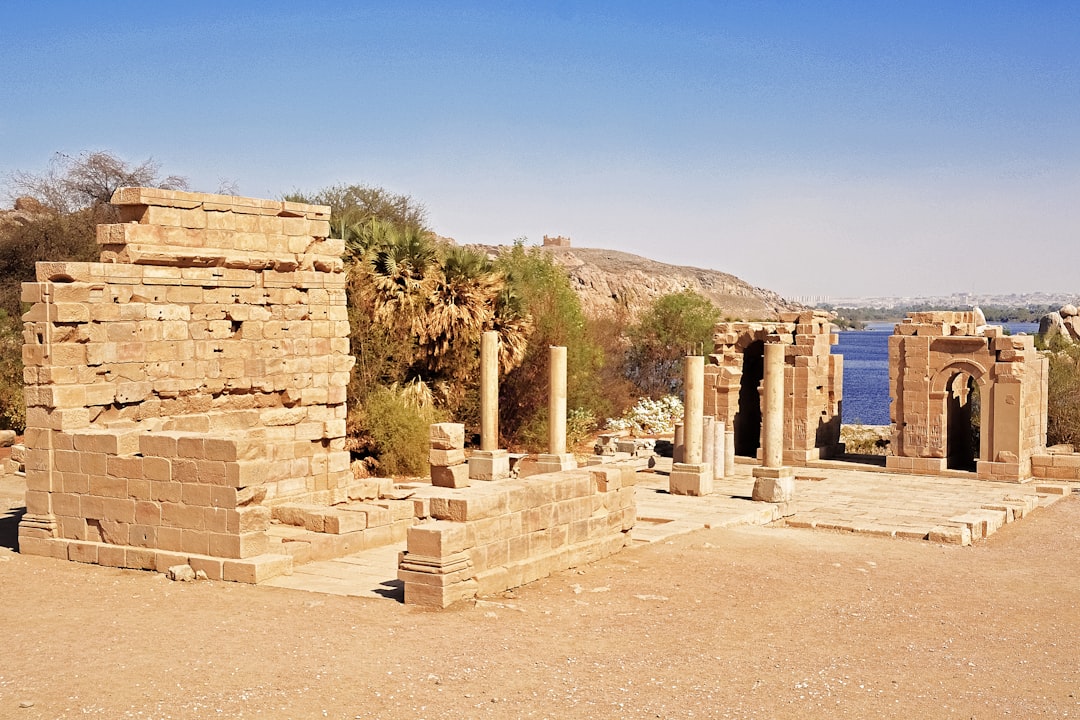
column 609, row 279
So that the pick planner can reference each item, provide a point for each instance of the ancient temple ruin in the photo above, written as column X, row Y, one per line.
column 189, row 389
column 965, row 397
column 813, row 382
column 185, row 384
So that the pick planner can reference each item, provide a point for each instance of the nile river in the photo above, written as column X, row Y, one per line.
column 866, row 371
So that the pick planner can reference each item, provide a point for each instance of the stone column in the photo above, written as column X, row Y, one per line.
column 489, row 462
column 773, row 482
column 693, row 408
column 729, row 452
column 708, row 449
column 678, row 444
column 556, row 458
column 692, row 476
column 719, row 460
column 489, row 390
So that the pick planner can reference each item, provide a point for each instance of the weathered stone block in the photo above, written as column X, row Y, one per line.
column 456, row 476
column 447, row 436
column 489, row 465
column 691, row 479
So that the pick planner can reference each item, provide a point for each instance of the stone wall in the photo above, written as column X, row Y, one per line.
column 1056, row 466
column 813, row 383
column 190, row 380
column 493, row 536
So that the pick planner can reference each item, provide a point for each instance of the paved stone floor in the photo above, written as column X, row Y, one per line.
column 855, row 499
column 370, row 573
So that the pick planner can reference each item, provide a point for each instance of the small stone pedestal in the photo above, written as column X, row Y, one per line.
column 691, row 479
column 774, row 485
column 489, row 465
column 555, row 462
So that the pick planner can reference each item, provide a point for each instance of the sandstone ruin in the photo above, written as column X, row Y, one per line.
column 813, row 382
column 186, row 384
column 948, row 371
column 189, row 389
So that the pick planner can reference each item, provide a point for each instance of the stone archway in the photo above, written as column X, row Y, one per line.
column 939, row 363
column 748, row 417
column 813, row 384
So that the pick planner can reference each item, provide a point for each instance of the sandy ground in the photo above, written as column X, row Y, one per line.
column 745, row 622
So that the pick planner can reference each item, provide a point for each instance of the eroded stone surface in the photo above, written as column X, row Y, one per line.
column 192, row 376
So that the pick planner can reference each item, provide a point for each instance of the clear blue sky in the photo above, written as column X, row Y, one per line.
column 813, row 148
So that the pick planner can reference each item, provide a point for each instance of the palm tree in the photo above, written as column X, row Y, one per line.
column 514, row 325
column 461, row 303
column 403, row 278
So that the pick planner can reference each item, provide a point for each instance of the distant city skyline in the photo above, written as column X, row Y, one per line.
column 824, row 149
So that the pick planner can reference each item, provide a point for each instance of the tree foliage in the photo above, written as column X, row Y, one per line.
column 542, row 292
column 674, row 326
column 88, row 180
column 353, row 208
column 1063, row 408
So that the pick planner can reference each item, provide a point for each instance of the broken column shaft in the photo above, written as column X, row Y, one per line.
column 489, row 390
column 692, row 476
column 489, row 462
column 556, row 458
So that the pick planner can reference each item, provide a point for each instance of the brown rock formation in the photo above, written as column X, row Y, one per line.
column 609, row 279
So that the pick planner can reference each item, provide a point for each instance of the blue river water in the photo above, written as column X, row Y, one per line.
column 866, row 371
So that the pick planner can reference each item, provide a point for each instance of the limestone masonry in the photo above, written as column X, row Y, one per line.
column 185, row 384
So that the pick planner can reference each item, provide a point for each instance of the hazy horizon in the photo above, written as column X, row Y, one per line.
column 838, row 149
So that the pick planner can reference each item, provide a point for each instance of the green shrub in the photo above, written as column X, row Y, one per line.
column 12, row 402
column 544, row 291
column 1063, row 406
column 397, row 429
column 672, row 327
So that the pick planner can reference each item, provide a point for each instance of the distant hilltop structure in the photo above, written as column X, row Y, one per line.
column 556, row 241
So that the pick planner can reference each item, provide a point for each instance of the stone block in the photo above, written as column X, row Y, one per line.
column 474, row 506
column 437, row 538
column 691, row 479
column 489, row 465
column 446, row 458
column 456, row 476
column 339, row 522
column 447, row 436
column 550, row 463
column 950, row 534
column 773, row 485
column 255, row 569
column 607, row 478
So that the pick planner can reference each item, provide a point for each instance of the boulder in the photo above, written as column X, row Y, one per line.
column 1068, row 311
column 1053, row 324
column 29, row 205
column 1072, row 324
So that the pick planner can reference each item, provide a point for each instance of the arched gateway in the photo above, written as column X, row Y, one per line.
column 813, row 379
column 952, row 380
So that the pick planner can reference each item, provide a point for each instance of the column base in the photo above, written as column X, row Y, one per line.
column 774, row 485
column 489, row 465
column 549, row 463
column 690, row 479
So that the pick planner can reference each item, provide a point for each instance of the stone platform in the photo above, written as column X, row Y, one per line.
column 857, row 499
